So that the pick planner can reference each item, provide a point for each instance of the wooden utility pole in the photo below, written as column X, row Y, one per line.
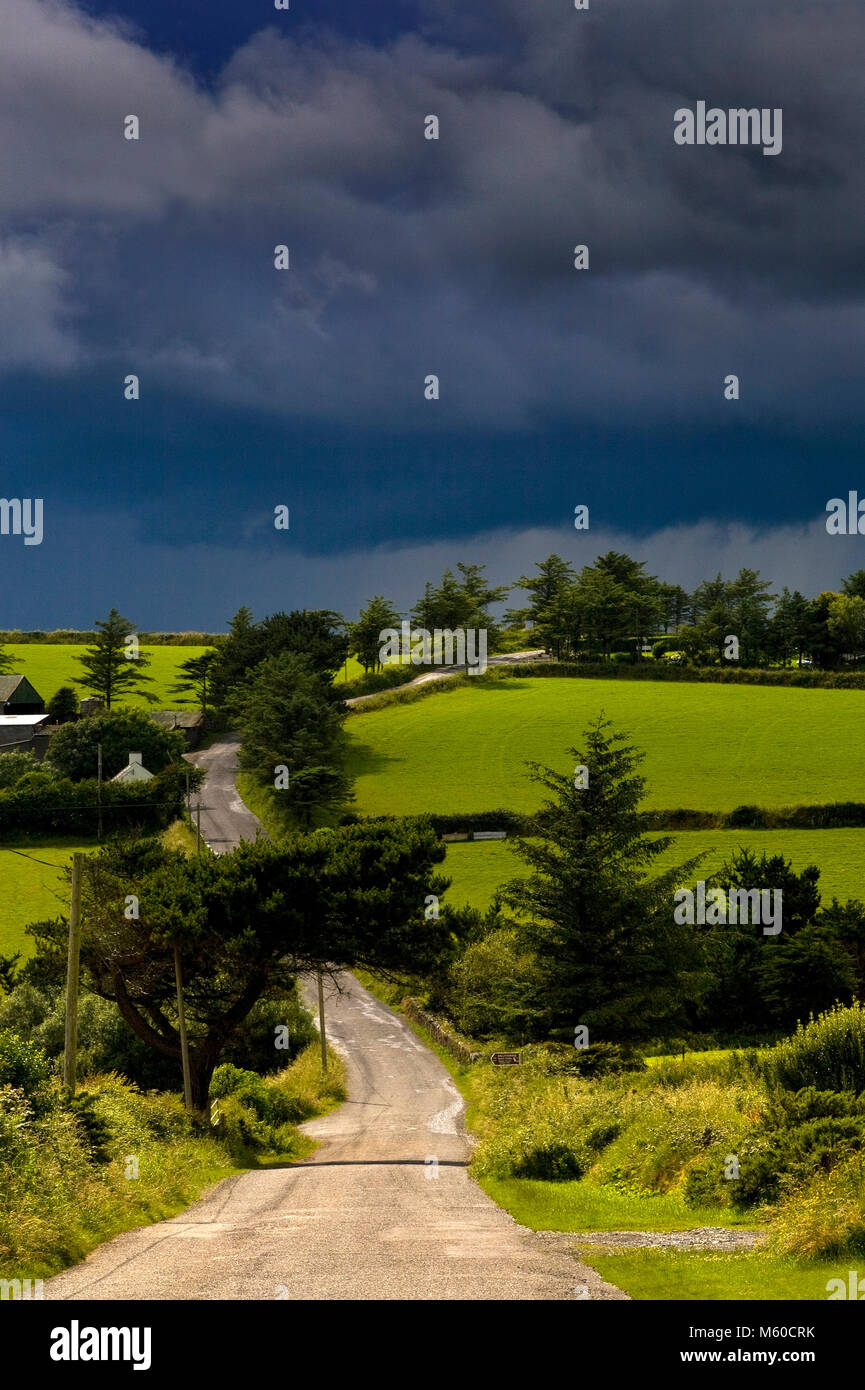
column 181, row 1026
column 321, row 1021
column 99, row 791
column 72, row 960
column 198, row 826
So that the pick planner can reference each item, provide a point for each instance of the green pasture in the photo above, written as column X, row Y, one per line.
column 478, row 868
column 50, row 666
column 32, row 888
column 708, row 747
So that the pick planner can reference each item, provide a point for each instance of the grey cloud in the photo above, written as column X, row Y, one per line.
column 454, row 257
column 34, row 308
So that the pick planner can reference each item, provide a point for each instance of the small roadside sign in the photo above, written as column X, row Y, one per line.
column 505, row 1059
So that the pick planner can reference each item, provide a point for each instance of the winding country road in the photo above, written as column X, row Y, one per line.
column 384, row 1209
column 225, row 820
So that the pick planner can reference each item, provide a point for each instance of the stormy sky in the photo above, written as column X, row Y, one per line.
column 411, row 257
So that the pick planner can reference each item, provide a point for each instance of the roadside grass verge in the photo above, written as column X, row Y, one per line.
column 262, row 802
column 74, row 1175
column 690, row 1276
column 63, row 1179
column 584, row 1206
column 180, row 835
column 265, row 803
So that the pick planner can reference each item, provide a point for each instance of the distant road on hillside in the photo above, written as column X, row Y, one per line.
column 441, row 673
column 225, row 820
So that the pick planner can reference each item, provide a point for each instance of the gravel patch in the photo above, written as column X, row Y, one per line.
column 701, row 1238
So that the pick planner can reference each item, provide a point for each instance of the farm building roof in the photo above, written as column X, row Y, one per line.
column 8, row 686
column 178, row 719
column 17, row 690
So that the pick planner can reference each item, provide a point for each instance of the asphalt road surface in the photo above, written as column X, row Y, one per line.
column 384, row 1209
column 442, row 673
column 225, row 820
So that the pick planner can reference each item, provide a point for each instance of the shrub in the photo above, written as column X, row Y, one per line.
column 23, row 1065
column 41, row 804
column 800, row 1134
column 743, row 817
column 106, row 1043
column 552, row 1160
column 825, row 1220
column 492, row 988
column 13, row 767
column 259, row 1112
column 827, row 1053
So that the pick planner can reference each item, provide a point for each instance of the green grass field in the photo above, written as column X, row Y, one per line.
column 686, row 1277
column 48, row 667
column 477, row 869
column 708, row 747
column 51, row 665
column 31, row 891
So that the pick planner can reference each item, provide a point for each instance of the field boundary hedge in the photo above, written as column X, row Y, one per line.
column 838, row 815
column 696, row 675
column 42, row 805
column 71, row 637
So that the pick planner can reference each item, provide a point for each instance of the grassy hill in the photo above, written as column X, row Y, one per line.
column 50, row 666
column 708, row 747
column 478, row 869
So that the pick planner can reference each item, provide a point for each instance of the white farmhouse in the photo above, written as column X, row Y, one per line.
column 134, row 771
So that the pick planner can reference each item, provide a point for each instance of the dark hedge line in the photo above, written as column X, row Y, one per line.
column 835, row 816
column 71, row 637
column 512, row 821
column 40, row 805
column 664, row 671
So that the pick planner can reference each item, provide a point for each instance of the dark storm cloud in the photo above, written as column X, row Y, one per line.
column 453, row 257
column 202, row 584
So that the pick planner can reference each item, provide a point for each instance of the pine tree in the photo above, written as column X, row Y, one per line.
column 599, row 925
column 110, row 667
column 196, row 676
column 365, row 635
